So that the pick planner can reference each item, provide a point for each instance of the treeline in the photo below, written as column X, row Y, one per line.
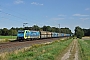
column 13, row 31
column 86, row 32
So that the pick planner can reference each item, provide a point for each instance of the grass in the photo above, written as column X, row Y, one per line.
column 4, row 40
column 8, row 37
column 85, row 49
column 88, row 41
column 47, row 51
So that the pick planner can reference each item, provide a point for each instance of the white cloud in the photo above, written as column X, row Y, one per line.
column 61, row 15
column 19, row 2
column 35, row 3
column 79, row 15
column 58, row 18
column 84, row 18
column 87, row 9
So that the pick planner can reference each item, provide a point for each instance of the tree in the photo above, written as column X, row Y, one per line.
column 0, row 31
column 53, row 29
column 36, row 28
column 79, row 33
column 57, row 30
column 44, row 28
column 65, row 30
column 12, row 32
column 5, row 31
column 86, row 32
column 47, row 28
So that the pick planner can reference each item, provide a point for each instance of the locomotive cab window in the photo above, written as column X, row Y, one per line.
column 20, row 32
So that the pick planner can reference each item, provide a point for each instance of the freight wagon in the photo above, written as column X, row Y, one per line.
column 54, row 34
column 31, row 35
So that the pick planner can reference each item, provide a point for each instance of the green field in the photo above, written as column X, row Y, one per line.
column 85, row 49
column 41, row 51
column 8, row 37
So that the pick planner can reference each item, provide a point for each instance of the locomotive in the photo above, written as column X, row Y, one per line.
column 31, row 35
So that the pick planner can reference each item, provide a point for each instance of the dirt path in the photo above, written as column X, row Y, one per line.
column 71, row 52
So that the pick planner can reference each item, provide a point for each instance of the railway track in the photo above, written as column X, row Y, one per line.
column 12, row 46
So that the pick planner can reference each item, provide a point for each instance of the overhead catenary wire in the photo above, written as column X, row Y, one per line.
column 22, row 18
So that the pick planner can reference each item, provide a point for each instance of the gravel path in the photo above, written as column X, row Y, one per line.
column 71, row 52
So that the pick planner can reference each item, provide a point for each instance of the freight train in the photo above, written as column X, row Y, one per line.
column 31, row 35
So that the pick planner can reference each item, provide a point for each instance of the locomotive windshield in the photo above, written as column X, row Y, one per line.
column 20, row 32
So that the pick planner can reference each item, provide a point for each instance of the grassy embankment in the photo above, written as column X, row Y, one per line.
column 7, row 38
column 48, row 51
column 85, row 49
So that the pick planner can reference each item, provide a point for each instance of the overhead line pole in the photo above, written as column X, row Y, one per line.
column 24, row 24
column 59, row 28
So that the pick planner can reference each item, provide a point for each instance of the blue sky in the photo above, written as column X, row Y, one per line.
column 67, row 13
